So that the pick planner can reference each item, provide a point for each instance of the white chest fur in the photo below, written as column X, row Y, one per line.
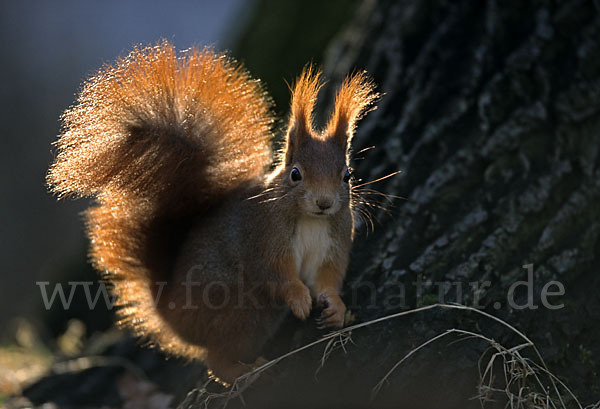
column 311, row 242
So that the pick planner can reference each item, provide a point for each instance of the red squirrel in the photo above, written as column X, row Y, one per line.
column 206, row 236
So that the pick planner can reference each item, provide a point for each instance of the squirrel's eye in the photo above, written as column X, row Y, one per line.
column 295, row 175
column 347, row 176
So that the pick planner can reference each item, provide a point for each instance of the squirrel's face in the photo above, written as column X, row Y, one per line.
column 314, row 174
column 317, row 177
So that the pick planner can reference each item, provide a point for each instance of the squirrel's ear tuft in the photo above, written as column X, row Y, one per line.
column 304, row 97
column 354, row 99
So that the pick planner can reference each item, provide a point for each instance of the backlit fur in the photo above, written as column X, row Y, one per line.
column 175, row 147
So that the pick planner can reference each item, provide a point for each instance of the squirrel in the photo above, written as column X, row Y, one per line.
column 207, row 237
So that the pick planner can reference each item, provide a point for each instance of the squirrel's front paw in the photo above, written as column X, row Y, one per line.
column 334, row 310
column 298, row 299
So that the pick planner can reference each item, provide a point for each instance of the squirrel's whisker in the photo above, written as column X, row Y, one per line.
column 378, row 180
column 272, row 199
column 366, row 218
column 365, row 150
column 273, row 189
column 378, row 193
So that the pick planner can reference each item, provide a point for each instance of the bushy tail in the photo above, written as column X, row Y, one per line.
column 158, row 138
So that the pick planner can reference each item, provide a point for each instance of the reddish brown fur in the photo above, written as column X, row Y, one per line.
column 175, row 149
column 151, row 137
column 304, row 97
column 353, row 100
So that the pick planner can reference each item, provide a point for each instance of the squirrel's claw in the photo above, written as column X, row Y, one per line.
column 299, row 300
column 334, row 319
column 334, row 311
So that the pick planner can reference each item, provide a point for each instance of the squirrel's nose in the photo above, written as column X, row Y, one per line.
column 324, row 203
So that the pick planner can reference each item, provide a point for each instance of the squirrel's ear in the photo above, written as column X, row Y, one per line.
column 304, row 97
column 353, row 101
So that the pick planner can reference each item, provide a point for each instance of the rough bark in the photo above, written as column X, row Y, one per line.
column 492, row 112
